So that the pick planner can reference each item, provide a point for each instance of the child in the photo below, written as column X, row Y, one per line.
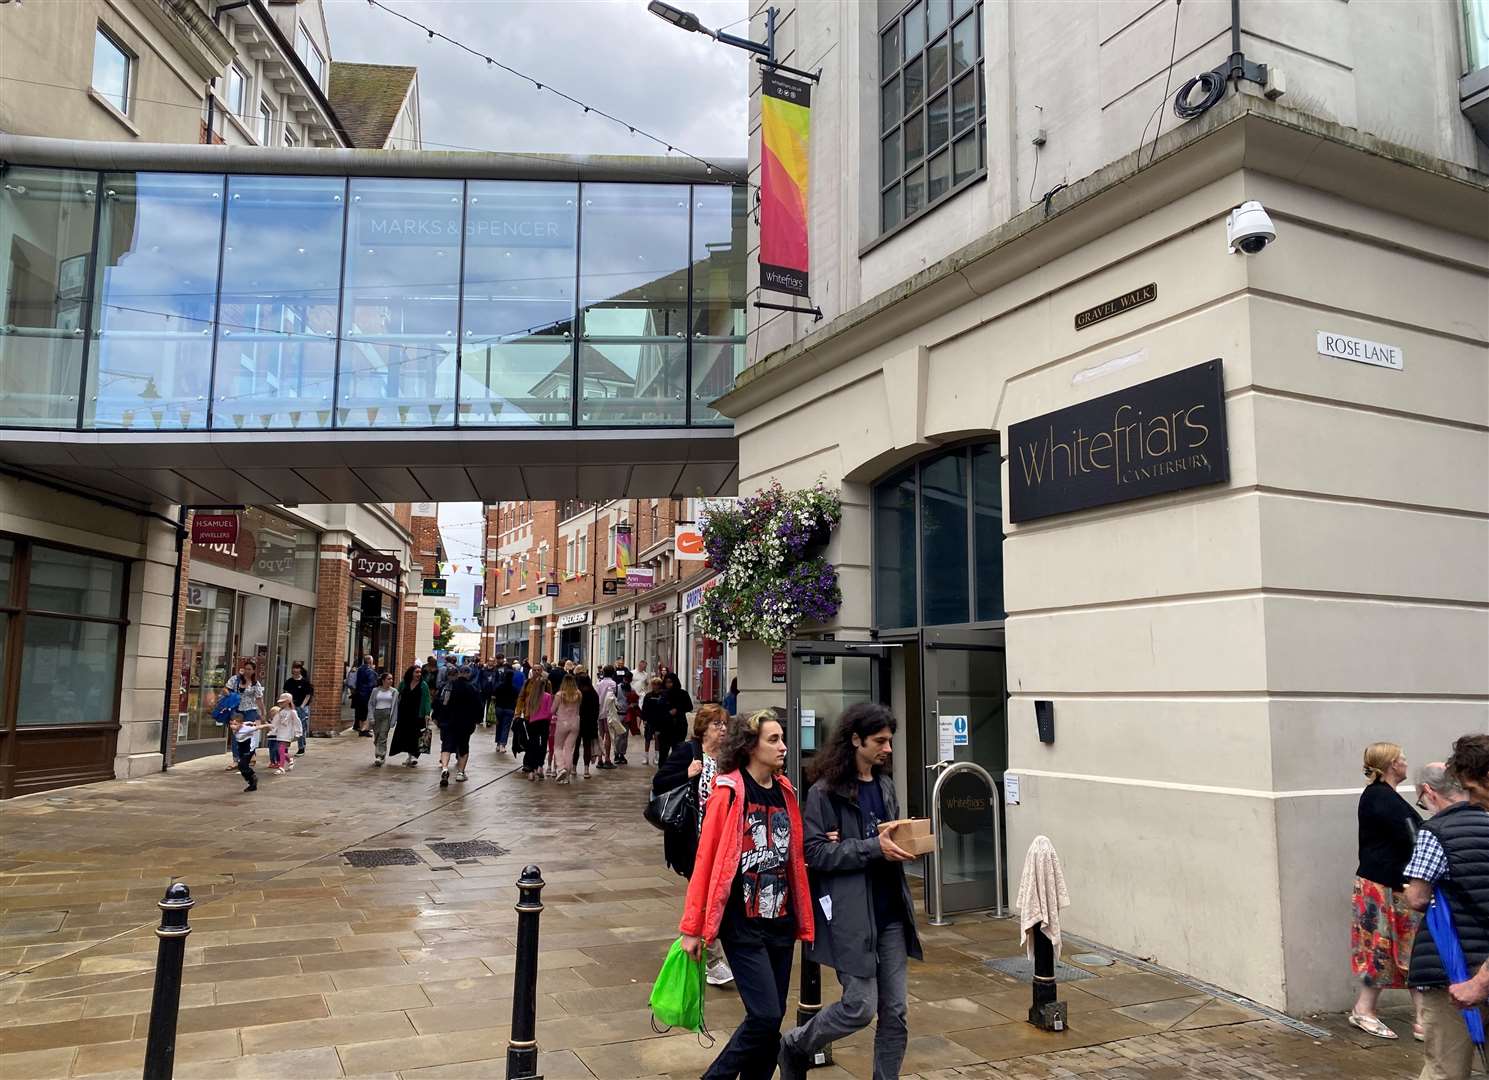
column 245, row 741
column 284, row 729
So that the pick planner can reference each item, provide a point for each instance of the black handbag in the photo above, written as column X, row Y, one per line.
column 673, row 811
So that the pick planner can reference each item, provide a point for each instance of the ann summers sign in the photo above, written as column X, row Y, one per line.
column 1159, row 436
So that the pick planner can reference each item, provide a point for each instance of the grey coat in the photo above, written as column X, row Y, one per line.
column 839, row 871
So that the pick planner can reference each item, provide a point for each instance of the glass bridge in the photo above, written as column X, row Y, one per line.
column 440, row 311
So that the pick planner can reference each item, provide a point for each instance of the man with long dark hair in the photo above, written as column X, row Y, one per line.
column 866, row 930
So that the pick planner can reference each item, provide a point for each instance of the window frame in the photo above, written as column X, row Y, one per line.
column 130, row 59
column 14, row 605
column 318, row 71
column 268, row 116
column 945, row 151
column 235, row 102
column 967, row 451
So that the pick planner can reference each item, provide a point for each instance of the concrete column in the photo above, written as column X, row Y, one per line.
column 146, row 641
column 333, row 591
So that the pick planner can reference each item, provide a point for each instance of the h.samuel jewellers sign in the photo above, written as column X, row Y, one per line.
column 1164, row 435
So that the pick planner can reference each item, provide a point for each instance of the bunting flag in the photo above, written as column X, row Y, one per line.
column 785, row 123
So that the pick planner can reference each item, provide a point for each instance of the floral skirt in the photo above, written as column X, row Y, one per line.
column 1380, row 935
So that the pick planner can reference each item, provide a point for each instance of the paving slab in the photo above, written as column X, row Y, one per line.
column 302, row 966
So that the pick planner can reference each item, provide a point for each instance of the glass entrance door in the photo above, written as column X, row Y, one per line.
column 822, row 679
column 965, row 711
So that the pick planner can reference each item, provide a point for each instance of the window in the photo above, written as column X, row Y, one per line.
column 235, row 91
column 932, row 108
column 290, row 138
column 311, row 56
column 938, row 541
column 63, row 611
column 1476, row 33
column 111, row 69
column 266, row 123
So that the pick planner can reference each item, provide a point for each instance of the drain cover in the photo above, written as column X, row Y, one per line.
column 1022, row 969
column 1092, row 959
column 466, row 849
column 382, row 857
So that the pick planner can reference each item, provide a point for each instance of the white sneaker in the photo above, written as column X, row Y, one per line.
column 460, row 776
column 719, row 974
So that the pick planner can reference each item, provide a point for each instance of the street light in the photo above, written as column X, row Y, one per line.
column 686, row 20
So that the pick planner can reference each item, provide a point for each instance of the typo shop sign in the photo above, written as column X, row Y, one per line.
column 1157, row 437
column 373, row 564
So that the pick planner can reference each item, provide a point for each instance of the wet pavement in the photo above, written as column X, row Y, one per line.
column 304, row 964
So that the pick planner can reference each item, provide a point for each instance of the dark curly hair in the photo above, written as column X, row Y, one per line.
column 744, row 736
column 837, row 762
column 1470, row 760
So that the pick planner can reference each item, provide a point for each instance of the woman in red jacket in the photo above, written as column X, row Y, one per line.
column 749, row 889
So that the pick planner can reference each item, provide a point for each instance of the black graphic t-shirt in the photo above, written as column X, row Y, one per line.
column 759, row 908
column 884, row 876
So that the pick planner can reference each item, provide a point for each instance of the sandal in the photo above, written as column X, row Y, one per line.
column 1371, row 1025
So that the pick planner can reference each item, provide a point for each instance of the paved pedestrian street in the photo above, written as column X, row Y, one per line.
column 302, row 964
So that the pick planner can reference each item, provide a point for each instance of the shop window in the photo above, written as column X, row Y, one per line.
column 113, row 67
column 66, row 618
column 932, row 112
column 937, row 536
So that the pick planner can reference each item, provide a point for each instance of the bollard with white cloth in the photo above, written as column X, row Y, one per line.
column 1042, row 894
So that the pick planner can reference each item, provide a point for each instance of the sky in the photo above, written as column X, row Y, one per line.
column 613, row 54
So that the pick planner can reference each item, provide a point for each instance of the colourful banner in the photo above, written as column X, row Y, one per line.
column 786, row 121
column 624, row 558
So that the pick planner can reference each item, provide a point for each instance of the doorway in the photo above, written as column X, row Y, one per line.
column 822, row 679
column 950, row 688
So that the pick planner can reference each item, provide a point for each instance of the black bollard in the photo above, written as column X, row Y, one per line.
column 522, row 1047
column 160, row 1049
column 1045, row 1012
column 811, row 1004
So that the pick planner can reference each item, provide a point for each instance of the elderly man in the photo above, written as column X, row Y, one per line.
column 1452, row 854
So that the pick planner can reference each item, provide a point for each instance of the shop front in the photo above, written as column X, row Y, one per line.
column 573, row 635
column 612, row 627
column 705, row 660
column 656, row 640
column 251, row 599
column 62, row 630
column 517, row 629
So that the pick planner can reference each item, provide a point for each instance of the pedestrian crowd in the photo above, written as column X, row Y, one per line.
column 243, row 712
column 1421, row 899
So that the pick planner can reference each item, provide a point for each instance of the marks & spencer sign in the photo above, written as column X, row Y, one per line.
column 1160, row 436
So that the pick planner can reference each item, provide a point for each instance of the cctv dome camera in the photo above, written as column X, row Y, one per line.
column 1249, row 228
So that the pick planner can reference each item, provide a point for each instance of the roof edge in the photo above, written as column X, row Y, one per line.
column 308, row 161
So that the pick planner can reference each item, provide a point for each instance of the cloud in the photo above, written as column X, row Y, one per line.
column 613, row 54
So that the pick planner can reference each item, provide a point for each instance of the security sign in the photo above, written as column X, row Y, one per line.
column 959, row 731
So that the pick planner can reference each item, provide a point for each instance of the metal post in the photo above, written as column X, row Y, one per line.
column 811, row 1004
column 522, row 1047
column 1044, row 983
column 160, row 1049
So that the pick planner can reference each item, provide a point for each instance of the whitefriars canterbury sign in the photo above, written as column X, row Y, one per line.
column 1163, row 435
column 1360, row 350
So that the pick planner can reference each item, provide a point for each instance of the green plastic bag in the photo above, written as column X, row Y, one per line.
column 677, row 995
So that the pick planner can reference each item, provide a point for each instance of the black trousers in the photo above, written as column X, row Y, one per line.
column 537, row 746
column 762, row 974
column 359, row 710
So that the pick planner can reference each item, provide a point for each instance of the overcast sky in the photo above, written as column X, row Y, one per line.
column 614, row 54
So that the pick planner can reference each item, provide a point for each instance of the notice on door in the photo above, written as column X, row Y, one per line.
column 945, row 739
column 1011, row 788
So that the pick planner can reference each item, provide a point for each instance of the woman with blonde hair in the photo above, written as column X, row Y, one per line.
column 1383, row 926
column 536, row 709
column 566, row 726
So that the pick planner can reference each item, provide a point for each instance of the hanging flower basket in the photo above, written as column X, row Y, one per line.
column 775, row 576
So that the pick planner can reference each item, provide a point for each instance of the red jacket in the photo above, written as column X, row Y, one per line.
column 718, row 861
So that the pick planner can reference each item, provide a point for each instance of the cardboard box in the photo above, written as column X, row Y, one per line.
column 912, row 834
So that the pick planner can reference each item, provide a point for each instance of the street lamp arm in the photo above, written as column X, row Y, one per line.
column 756, row 47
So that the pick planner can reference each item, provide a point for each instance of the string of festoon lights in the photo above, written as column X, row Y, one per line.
column 586, row 107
